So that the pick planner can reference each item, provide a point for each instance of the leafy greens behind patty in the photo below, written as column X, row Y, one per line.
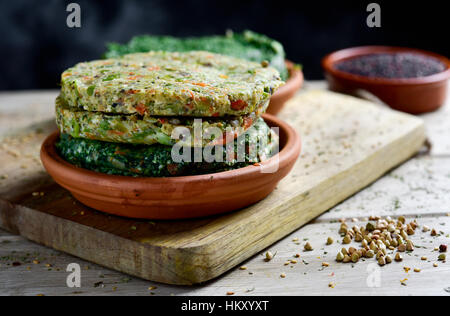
column 246, row 45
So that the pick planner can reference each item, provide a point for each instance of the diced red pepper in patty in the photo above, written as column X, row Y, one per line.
column 238, row 105
column 141, row 109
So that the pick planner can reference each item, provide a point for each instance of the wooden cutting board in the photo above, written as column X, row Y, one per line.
column 348, row 143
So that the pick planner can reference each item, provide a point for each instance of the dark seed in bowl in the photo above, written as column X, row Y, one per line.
column 392, row 66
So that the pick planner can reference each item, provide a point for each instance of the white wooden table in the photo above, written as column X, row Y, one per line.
column 419, row 188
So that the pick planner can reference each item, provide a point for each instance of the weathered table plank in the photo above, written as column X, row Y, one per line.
column 348, row 143
column 22, row 109
column 421, row 185
column 264, row 279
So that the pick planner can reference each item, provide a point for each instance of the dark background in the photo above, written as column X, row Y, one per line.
column 36, row 45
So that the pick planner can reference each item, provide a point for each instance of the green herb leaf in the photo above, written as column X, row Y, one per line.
column 111, row 77
column 90, row 90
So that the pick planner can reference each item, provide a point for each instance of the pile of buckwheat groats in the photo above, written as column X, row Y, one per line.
column 379, row 237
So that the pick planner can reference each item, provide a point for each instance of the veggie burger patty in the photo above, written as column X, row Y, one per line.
column 138, row 129
column 161, row 83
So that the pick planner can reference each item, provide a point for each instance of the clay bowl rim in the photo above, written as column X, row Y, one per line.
column 294, row 81
column 49, row 155
column 331, row 59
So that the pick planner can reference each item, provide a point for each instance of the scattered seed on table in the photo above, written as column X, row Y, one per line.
column 409, row 245
column 325, row 264
column 380, row 254
column 282, row 275
column 404, row 234
column 269, row 256
column 347, row 239
column 308, row 247
column 443, row 248
column 359, row 237
column 417, row 270
column 243, row 268
column 424, row 258
column 442, row 257
column 370, row 227
column 388, row 259
column 230, row 293
column 330, row 241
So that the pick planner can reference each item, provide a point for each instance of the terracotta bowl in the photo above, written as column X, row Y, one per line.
column 293, row 84
column 415, row 95
column 177, row 197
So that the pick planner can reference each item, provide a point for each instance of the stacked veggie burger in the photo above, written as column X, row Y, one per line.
column 127, row 115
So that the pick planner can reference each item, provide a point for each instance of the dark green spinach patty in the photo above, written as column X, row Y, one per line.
column 156, row 160
column 246, row 45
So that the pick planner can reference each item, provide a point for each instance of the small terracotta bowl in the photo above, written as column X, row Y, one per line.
column 177, row 197
column 286, row 92
column 411, row 95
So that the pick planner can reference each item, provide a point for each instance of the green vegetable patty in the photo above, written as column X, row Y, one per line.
column 138, row 129
column 156, row 160
column 161, row 83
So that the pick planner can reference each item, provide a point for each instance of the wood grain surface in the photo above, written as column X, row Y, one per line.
column 417, row 189
column 348, row 144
